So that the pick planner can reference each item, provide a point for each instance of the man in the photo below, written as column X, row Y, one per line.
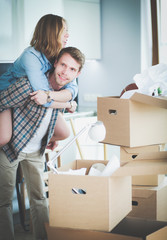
column 63, row 74
column 33, row 127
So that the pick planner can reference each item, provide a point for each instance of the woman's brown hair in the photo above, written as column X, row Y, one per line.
column 46, row 37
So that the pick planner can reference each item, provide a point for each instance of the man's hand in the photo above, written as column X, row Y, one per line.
column 40, row 97
column 73, row 107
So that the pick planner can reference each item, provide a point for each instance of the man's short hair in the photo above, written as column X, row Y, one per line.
column 74, row 53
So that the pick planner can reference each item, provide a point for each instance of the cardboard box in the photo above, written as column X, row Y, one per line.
column 138, row 121
column 129, row 154
column 107, row 200
column 142, row 229
column 148, row 180
column 145, row 164
column 150, row 202
column 127, row 229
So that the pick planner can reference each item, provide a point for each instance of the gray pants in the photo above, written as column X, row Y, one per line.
column 32, row 165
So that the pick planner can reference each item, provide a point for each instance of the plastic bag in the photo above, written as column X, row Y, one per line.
column 153, row 81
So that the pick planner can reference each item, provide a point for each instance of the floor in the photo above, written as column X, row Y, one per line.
column 20, row 233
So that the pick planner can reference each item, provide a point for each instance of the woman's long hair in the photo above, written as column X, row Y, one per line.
column 46, row 37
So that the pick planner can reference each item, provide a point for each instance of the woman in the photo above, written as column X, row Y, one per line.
column 50, row 36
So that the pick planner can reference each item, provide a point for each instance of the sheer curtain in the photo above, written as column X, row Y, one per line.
column 162, row 20
column 146, row 35
column 155, row 40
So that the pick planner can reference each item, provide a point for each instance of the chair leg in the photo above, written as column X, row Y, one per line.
column 20, row 189
column 105, row 152
column 58, row 162
column 77, row 142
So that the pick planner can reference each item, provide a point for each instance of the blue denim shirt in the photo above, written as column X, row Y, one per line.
column 33, row 65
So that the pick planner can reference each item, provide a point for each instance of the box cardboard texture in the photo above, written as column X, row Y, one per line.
column 127, row 229
column 138, row 121
column 107, row 200
column 150, row 202
column 148, row 180
column 129, row 154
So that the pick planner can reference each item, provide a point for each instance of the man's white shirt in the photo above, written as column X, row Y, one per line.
column 35, row 143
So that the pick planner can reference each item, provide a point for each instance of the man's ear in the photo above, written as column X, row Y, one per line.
column 78, row 74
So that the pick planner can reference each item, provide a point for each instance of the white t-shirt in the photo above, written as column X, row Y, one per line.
column 35, row 143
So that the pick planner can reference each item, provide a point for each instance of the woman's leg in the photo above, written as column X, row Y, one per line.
column 5, row 127
column 61, row 130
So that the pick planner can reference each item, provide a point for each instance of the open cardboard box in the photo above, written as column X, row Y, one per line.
column 127, row 229
column 150, row 202
column 107, row 200
column 129, row 154
column 138, row 121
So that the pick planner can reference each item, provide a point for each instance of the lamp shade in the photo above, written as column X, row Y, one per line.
column 97, row 132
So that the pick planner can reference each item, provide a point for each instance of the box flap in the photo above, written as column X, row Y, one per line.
column 143, row 167
column 142, row 227
column 148, row 164
column 137, row 150
column 79, row 234
column 66, row 167
column 152, row 155
column 141, row 193
column 146, row 99
column 160, row 234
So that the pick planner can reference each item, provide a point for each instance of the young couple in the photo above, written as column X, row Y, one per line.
column 35, row 92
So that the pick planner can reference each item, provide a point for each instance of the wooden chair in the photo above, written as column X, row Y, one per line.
column 131, row 86
column 21, row 195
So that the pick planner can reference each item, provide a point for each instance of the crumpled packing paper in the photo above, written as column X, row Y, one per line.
column 152, row 82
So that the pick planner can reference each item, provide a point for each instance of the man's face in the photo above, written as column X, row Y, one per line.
column 66, row 69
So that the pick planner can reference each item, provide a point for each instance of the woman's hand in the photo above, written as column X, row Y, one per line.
column 72, row 107
column 40, row 97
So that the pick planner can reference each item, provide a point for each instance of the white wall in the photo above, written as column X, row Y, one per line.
column 120, row 40
column 120, row 23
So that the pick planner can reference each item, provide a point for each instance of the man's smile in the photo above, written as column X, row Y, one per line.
column 62, row 78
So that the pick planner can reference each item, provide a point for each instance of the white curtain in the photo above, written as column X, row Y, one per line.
column 146, row 35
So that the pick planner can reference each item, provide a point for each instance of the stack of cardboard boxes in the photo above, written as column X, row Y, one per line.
column 139, row 126
column 149, row 192
column 95, row 207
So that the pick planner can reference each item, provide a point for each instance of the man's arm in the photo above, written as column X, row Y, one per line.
column 16, row 94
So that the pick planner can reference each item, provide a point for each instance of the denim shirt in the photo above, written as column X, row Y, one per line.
column 33, row 65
